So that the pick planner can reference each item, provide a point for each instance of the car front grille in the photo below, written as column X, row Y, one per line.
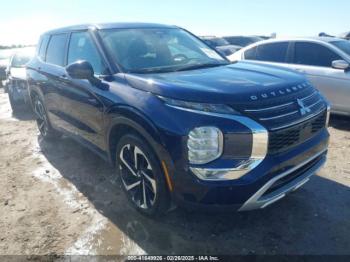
column 287, row 138
column 287, row 110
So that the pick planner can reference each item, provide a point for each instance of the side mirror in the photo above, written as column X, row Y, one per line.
column 80, row 70
column 340, row 64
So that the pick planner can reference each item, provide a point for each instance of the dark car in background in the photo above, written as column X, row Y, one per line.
column 221, row 45
column 16, row 86
column 179, row 122
column 242, row 40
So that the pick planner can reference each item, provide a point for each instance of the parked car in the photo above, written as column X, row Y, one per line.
column 179, row 121
column 5, row 55
column 242, row 40
column 221, row 45
column 324, row 60
column 17, row 87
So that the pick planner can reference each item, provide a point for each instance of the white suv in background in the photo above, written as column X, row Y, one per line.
column 324, row 60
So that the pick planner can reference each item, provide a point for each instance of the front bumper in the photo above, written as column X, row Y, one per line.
column 273, row 179
column 296, row 177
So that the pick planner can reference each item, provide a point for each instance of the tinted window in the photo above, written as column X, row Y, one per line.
column 242, row 41
column 342, row 45
column 43, row 45
column 274, row 52
column 56, row 50
column 82, row 47
column 147, row 50
column 250, row 54
column 314, row 54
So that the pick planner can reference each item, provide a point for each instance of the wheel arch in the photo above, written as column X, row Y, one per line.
column 126, row 119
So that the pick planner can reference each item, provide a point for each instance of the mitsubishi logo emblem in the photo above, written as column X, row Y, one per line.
column 303, row 109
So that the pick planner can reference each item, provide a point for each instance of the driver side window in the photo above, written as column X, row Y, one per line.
column 81, row 47
column 314, row 54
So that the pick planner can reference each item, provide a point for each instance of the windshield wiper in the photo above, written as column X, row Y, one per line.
column 199, row 66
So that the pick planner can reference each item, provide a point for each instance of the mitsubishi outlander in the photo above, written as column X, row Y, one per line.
column 180, row 123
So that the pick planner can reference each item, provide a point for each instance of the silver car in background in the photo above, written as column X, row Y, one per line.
column 324, row 60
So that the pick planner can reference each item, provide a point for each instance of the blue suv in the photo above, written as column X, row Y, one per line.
column 180, row 123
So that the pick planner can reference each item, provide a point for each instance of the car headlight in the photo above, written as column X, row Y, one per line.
column 214, row 108
column 204, row 144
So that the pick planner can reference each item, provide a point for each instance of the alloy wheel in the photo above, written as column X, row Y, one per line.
column 137, row 176
column 41, row 117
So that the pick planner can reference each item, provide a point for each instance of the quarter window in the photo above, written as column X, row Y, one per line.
column 81, row 47
column 56, row 49
column 314, row 54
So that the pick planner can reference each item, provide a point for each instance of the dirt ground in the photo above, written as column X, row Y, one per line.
column 59, row 198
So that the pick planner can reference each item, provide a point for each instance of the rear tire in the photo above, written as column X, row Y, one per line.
column 141, row 176
column 42, row 120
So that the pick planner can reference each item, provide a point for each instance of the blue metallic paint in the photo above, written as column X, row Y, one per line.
column 89, row 114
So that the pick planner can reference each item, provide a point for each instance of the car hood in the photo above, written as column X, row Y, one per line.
column 223, row 84
column 19, row 73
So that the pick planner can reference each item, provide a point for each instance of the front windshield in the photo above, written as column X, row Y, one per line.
column 149, row 50
column 343, row 45
column 20, row 60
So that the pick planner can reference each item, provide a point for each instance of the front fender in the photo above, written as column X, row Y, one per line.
column 123, row 115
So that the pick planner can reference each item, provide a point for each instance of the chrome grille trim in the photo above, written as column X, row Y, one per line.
column 279, row 116
column 304, row 98
column 319, row 100
column 268, row 108
column 297, row 122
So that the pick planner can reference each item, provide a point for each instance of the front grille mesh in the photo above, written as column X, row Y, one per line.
column 284, row 139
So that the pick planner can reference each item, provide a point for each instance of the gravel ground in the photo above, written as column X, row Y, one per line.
column 59, row 198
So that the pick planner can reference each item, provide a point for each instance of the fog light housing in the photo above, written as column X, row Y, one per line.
column 204, row 144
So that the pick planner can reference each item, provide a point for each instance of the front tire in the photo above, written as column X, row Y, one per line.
column 141, row 176
column 43, row 123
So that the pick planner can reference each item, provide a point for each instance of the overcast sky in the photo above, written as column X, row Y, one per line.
column 21, row 22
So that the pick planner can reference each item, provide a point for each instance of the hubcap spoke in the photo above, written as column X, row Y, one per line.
column 137, row 176
column 144, row 195
column 151, row 180
column 132, row 186
column 126, row 162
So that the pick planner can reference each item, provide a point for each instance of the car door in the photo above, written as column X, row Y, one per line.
column 315, row 60
column 83, row 98
column 51, row 73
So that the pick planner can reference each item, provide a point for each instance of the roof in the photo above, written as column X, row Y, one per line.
column 316, row 39
column 109, row 26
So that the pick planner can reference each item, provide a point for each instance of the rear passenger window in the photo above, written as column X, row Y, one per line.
column 314, row 54
column 56, row 50
column 43, row 46
column 273, row 52
column 82, row 47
